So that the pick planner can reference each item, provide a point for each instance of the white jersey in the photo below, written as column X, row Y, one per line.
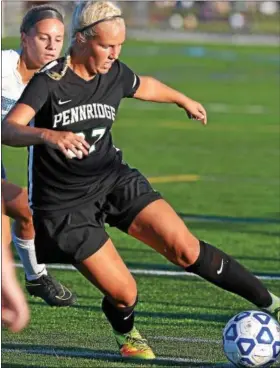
column 12, row 85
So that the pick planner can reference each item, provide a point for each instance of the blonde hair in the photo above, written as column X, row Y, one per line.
column 84, row 17
column 61, row 74
column 89, row 12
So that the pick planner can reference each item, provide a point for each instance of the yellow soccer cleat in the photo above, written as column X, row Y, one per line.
column 132, row 345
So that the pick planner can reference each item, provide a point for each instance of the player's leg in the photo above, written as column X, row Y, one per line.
column 16, row 201
column 160, row 227
column 134, row 207
column 106, row 270
column 38, row 282
column 79, row 238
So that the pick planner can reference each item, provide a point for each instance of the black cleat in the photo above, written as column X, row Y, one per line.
column 51, row 291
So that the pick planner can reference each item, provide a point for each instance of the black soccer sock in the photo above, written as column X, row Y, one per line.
column 222, row 270
column 121, row 319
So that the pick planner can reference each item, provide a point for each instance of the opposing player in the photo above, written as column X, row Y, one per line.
column 78, row 180
column 42, row 34
column 14, row 309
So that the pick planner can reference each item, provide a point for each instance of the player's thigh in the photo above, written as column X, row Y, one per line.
column 16, row 200
column 160, row 227
column 131, row 194
column 106, row 270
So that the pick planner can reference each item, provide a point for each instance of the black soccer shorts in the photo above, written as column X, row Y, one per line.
column 73, row 237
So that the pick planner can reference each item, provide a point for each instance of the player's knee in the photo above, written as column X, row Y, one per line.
column 20, row 209
column 129, row 297
column 24, row 224
column 24, row 220
column 183, row 249
column 126, row 296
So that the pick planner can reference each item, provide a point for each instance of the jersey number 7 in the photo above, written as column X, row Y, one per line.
column 99, row 133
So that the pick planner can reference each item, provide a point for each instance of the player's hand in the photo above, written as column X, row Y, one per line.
column 69, row 143
column 194, row 110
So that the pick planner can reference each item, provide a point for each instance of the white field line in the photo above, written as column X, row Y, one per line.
column 185, row 339
column 88, row 354
column 137, row 271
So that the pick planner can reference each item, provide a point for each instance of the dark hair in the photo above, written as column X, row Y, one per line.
column 41, row 12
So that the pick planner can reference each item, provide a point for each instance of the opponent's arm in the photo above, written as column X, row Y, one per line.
column 150, row 89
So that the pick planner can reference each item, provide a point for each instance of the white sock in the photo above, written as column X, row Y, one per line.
column 27, row 254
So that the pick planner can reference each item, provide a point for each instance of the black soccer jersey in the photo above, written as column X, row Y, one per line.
column 85, row 107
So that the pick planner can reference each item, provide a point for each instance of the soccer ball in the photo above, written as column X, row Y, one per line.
column 252, row 339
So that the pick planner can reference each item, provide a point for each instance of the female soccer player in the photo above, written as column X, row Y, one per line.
column 42, row 33
column 78, row 181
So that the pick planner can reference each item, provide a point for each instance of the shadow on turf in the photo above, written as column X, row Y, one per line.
column 111, row 356
column 169, row 267
column 161, row 315
column 167, row 304
column 172, row 268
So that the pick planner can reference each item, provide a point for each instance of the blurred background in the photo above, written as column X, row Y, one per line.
column 241, row 17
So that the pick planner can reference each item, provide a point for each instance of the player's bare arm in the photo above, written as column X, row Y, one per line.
column 16, row 133
column 150, row 89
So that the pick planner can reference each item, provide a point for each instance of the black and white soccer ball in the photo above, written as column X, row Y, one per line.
column 252, row 339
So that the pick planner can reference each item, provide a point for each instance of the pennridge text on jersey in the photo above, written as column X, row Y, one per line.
column 84, row 112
